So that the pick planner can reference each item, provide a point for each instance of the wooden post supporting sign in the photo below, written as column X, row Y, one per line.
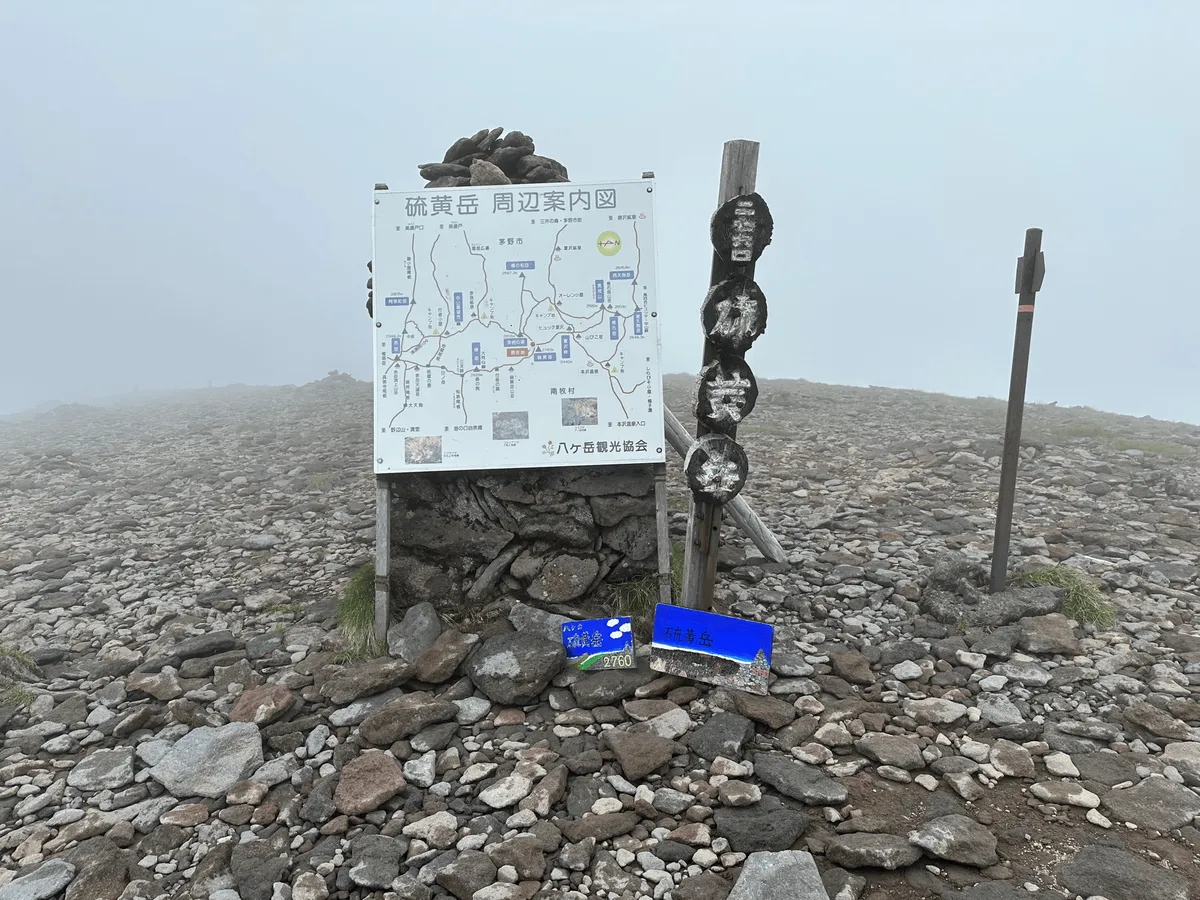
column 733, row 315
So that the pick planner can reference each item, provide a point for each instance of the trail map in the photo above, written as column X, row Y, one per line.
column 516, row 326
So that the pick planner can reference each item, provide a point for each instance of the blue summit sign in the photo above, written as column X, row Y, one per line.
column 600, row 643
column 720, row 650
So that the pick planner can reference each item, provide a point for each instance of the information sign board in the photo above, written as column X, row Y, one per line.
column 516, row 326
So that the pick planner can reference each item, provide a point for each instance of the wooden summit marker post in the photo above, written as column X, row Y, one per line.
column 1031, row 269
column 734, row 315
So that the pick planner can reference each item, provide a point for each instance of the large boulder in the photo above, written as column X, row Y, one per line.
column 208, row 761
column 515, row 668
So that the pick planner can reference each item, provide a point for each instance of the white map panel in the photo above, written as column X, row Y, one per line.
column 515, row 327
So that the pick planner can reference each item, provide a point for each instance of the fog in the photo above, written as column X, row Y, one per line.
column 185, row 188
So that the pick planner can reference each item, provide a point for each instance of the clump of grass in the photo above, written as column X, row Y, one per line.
column 356, row 616
column 16, row 657
column 1083, row 602
column 284, row 609
column 319, row 481
column 16, row 696
column 638, row 597
column 15, row 666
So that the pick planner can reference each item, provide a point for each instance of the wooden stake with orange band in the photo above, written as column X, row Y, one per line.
column 1031, row 268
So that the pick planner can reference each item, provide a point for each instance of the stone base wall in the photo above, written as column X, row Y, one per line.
column 548, row 535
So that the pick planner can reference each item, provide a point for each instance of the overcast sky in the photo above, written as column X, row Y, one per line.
column 185, row 188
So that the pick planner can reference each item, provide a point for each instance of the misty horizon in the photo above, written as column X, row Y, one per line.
column 188, row 188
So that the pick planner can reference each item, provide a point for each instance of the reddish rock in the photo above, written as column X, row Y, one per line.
column 263, row 705
column 439, row 663
column 367, row 782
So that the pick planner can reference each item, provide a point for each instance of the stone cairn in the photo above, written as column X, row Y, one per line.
column 487, row 158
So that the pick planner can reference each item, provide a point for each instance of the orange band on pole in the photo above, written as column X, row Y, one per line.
column 1025, row 308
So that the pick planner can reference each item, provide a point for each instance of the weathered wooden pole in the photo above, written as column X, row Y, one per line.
column 383, row 557
column 1031, row 268
column 739, row 173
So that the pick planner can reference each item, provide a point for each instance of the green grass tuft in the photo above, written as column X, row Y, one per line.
column 21, row 658
column 15, row 666
column 356, row 616
column 284, row 609
column 16, row 696
column 638, row 597
column 1083, row 602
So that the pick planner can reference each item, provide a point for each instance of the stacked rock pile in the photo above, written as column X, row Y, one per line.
column 487, row 158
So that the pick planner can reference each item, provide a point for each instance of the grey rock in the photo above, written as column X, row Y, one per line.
column 882, row 851
column 204, row 645
column 406, row 716
column 1154, row 803
column 1065, row 793
column 725, row 734
column 470, row 871
column 705, row 886
column 564, row 578
column 577, row 857
column 531, row 620
column 608, row 876
column 1023, row 673
column 997, row 709
column 998, row 642
column 934, row 711
column 515, row 668
column 375, row 860
column 1048, row 635
column 602, row 827
column 256, row 866
column 639, row 754
column 366, row 679
column 786, row 875
column 1158, row 723
column 611, row 687
column 957, row 839
column 1183, row 756
column 415, row 633
column 46, row 881
column 1116, row 874
column 891, row 750
column 433, row 171
column 1003, row 608
column 260, row 542
column 799, row 780
column 852, row 666
column 103, row 770
column 1012, row 759
column 207, row 761
column 104, row 870
column 406, row 887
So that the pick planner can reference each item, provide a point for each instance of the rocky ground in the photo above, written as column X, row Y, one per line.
column 188, row 727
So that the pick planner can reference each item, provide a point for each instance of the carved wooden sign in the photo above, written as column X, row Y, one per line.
column 716, row 468
column 734, row 315
column 725, row 394
column 741, row 229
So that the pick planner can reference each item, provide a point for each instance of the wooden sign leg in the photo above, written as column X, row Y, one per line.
column 383, row 558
